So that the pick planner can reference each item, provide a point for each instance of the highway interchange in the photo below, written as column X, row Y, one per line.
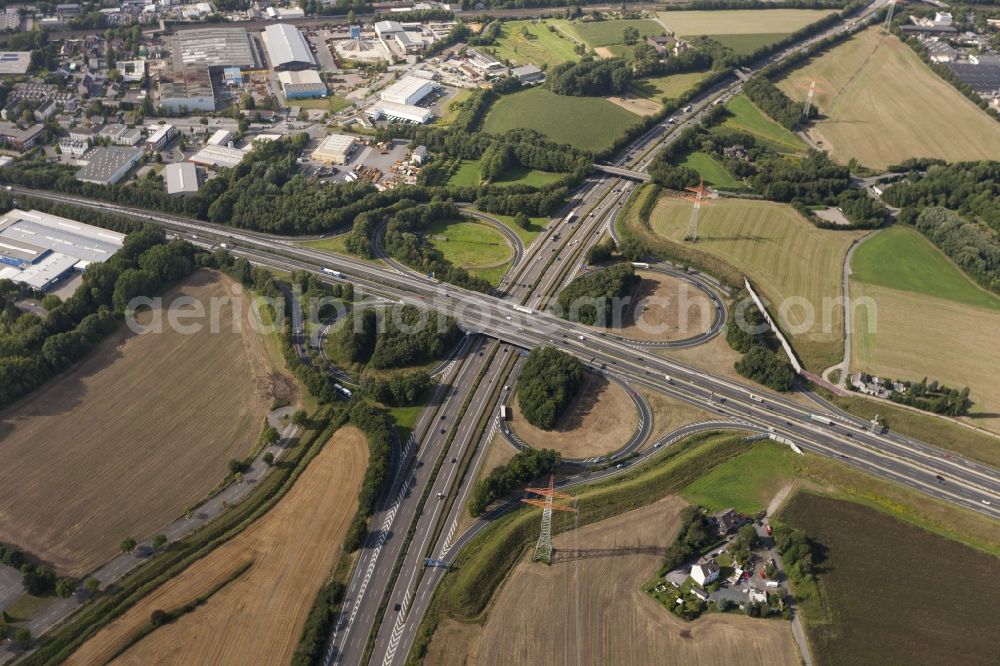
column 449, row 441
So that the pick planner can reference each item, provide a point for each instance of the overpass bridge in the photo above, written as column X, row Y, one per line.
column 623, row 172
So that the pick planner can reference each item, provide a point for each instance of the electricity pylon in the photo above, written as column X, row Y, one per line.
column 809, row 101
column 543, row 549
column 699, row 193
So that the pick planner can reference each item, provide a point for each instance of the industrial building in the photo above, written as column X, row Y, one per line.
column 220, row 138
column 302, row 85
column 19, row 139
column 107, row 166
column 190, row 90
column 334, row 149
column 486, row 64
column 215, row 47
column 403, row 113
column 408, row 90
column 217, row 156
column 287, row 49
column 528, row 74
column 181, row 178
column 14, row 62
column 160, row 136
column 120, row 135
column 38, row 249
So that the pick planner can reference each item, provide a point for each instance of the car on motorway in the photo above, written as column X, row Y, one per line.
column 454, row 460
column 397, row 607
column 443, row 431
column 986, row 502
column 940, row 479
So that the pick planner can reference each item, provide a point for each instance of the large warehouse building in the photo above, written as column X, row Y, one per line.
column 107, row 166
column 39, row 250
column 408, row 91
column 216, row 47
column 287, row 49
column 302, row 85
column 334, row 149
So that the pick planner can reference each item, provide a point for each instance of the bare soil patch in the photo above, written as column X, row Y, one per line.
column 641, row 105
column 664, row 308
column 258, row 618
column 593, row 611
column 123, row 442
column 600, row 420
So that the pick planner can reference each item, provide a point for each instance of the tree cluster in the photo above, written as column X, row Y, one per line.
column 397, row 389
column 695, row 535
column 394, row 338
column 547, row 385
column 600, row 252
column 592, row 298
column 970, row 188
column 772, row 101
column 34, row 349
column 761, row 361
column 590, row 78
column 796, row 552
column 378, row 429
column 526, row 465
column 934, row 397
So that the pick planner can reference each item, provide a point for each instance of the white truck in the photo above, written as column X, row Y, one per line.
column 503, row 412
column 330, row 271
column 820, row 419
column 670, row 380
column 756, row 398
column 521, row 308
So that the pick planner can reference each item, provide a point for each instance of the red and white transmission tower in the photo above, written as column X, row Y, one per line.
column 543, row 549
column 699, row 194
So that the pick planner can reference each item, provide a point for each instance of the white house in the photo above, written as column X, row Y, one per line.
column 705, row 572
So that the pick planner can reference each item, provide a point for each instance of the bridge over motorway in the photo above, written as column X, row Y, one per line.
column 623, row 172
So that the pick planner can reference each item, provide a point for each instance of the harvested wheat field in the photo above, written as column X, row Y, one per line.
column 258, row 618
column 593, row 611
column 881, row 104
column 600, row 420
column 664, row 308
column 123, row 442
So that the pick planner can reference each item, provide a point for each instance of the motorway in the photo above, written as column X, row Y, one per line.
column 388, row 573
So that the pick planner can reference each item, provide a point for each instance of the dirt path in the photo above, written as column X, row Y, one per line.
column 258, row 618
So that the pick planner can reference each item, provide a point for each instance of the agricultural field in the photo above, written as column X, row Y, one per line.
column 774, row 23
column 670, row 86
column 747, row 483
column 745, row 117
column 670, row 309
column 795, row 265
column 475, row 246
column 608, row 33
column 746, row 44
column 587, row 123
column 901, row 258
column 528, row 42
column 593, row 611
column 468, row 175
column 258, row 617
column 907, row 335
column 714, row 173
column 886, row 594
column 600, row 406
column 143, row 427
column 915, row 287
column 881, row 105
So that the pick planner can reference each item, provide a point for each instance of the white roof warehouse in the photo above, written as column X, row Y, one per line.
column 287, row 49
column 38, row 249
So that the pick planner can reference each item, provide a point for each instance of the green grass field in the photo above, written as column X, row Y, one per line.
column 587, row 123
column 454, row 108
column 528, row 235
column 667, row 86
column 468, row 174
column 475, row 246
column 745, row 117
column 881, row 105
column 524, row 42
column 606, row 33
column 746, row 483
column 797, row 266
column 740, row 21
column 886, row 593
column 900, row 258
column 714, row 173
